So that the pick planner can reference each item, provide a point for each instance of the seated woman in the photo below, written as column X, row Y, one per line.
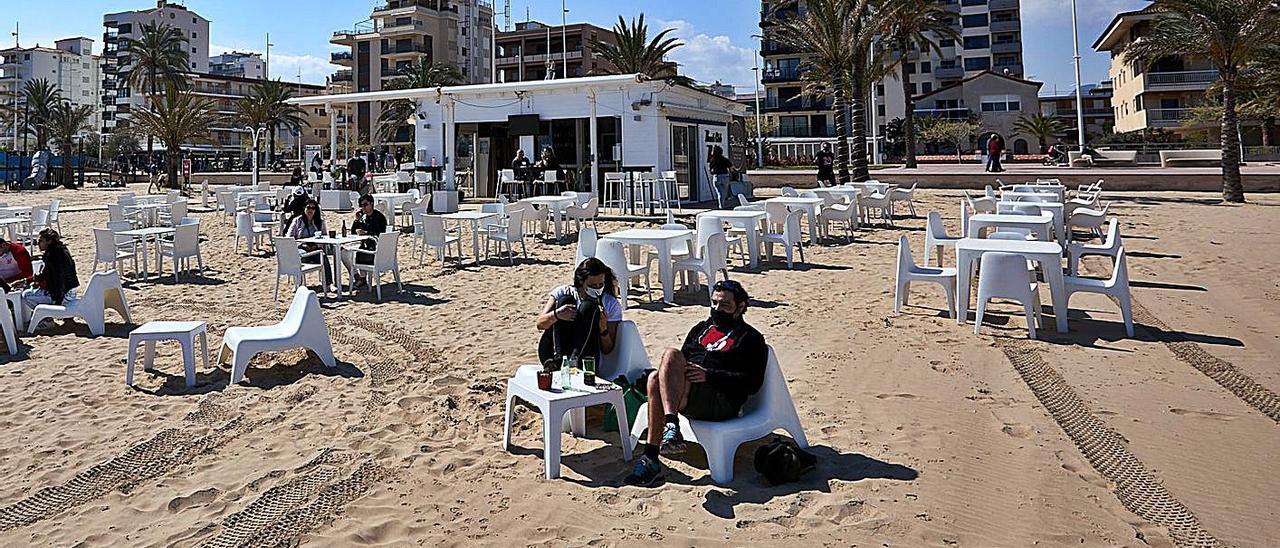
column 58, row 282
column 581, row 318
column 15, row 265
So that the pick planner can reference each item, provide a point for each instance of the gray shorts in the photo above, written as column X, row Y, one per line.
column 708, row 403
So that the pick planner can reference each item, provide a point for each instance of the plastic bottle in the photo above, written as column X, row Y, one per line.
column 566, row 377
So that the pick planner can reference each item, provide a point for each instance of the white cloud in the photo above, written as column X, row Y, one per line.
column 286, row 66
column 709, row 58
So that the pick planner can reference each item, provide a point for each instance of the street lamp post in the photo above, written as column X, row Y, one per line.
column 1075, row 36
column 255, row 133
column 756, row 81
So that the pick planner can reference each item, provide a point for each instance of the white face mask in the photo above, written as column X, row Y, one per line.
column 595, row 292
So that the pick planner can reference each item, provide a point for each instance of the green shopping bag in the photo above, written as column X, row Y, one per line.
column 632, row 396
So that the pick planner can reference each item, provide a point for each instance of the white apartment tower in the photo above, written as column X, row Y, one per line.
column 71, row 66
column 118, row 99
column 398, row 33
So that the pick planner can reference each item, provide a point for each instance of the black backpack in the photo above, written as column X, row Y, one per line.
column 781, row 461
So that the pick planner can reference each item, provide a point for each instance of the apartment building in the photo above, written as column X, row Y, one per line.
column 990, row 41
column 239, row 64
column 117, row 97
column 398, row 33
column 1099, row 118
column 1159, row 96
column 230, row 138
column 533, row 50
column 70, row 66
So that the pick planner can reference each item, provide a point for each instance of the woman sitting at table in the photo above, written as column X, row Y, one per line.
column 57, row 283
column 548, row 162
column 581, row 318
column 309, row 225
column 15, row 264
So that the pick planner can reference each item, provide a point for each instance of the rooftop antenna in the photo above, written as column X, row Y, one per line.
column 16, row 29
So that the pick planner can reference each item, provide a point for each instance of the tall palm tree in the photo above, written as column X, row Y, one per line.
column 157, row 58
column 636, row 53
column 1039, row 126
column 419, row 75
column 268, row 104
column 912, row 26
column 40, row 97
column 832, row 33
column 66, row 121
column 1230, row 34
column 176, row 118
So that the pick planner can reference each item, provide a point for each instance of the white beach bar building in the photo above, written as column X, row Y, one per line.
column 626, row 122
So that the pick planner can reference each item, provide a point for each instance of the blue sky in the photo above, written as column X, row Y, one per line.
column 717, row 33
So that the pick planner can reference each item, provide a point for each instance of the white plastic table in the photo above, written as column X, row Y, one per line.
column 554, row 404
column 1052, row 208
column 150, row 211
column 869, row 188
column 474, row 218
column 556, row 204
column 1058, row 191
column 335, row 244
column 11, row 225
column 1042, row 224
column 18, row 210
column 810, row 207
column 747, row 220
column 144, row 234
column 1048, row 254
column 183, row 332
column 663, row 241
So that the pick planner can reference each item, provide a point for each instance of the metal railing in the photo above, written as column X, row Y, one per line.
column 1182, row 78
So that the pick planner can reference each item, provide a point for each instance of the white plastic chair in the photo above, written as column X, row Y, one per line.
column 1088, row 219
column 587, row 240
column 612, row 254
column 108, row 252
column 53, row 215
column 670, row 191
column 840, row 214
column 507, row 183
column 909, row 272
column 250, row 231
column 1005, row 276
column 303, row 326
column 985, row 204
column 10, row 327
column 39, row 221
column 908, row 195
column 184, row 246
column 790, row 192
column 1110, row 247
column 936, row 238
column 385, row 259
column 175, row 211
column 508, row 231
column 879, row 202
column 744, row 202
column 769, row 409
column 713, row 258
column 615, row 184
column 104, row 291
column 1117, row 286
column 584, row 212
column 789, row 237
column 434, row 234
column 289, row 264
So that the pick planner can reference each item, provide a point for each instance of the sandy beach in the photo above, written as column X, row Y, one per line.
column 926, row 434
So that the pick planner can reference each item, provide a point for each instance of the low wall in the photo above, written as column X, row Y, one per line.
column 239, row 178
column 1255, row 178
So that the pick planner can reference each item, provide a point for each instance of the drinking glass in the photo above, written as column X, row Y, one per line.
column 589, row 371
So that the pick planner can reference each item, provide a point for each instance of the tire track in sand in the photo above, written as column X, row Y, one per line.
column 1135, row 486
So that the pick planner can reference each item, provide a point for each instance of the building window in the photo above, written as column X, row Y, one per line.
column 926, row 87
column 793, row 126
column 975, row 20
column 977, row 42
column 1001, row 103
column 977, row 63
column 926, row 67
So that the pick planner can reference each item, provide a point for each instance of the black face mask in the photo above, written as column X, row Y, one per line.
column 722, row 318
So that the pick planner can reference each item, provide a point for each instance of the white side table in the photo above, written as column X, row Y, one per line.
column 554, row 404
column 183, row 332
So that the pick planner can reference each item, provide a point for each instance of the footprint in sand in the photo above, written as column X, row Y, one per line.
column 196, row 499
column 1224, row 417
column 1020, row 431
column 896, row 396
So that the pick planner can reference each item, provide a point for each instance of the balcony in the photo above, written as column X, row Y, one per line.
column 804, row 131
column 401, row 49
column 999, row 5
column 393, row 7
column 948, row 73
column 1088, row 113
column 799, row 102
column 780, row 75
column 1006, row 47
column 776, row 48
column 342, row 76
column 1013, row 68
column 770, row 17
column 1007, row 25
column 944, row 113
column 1192, row 80
column 1167, row 117
column 340, row 57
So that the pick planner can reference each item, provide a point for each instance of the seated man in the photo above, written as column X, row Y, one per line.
column 721, row 364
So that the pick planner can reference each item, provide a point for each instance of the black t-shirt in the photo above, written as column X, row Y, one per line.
column 356, row 167
column 735, row 359
column 375, row 224
column 720, row 165
column 826, row 162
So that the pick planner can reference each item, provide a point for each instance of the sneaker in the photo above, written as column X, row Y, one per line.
column 672, row 441
column 647, row 473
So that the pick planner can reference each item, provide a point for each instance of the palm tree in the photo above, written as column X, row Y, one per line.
column 911, row 26
column 1231, row 34
column 157, row 59
column 40, row 97
column 1039, row 126
column 636, row 53
column 66, row 121
column 419, row 75
column 176, row 118
column 267, row 106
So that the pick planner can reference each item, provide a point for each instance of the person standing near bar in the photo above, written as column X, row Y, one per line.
column 719, row 166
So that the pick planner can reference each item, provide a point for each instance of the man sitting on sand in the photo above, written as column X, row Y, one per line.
column 721, row 364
